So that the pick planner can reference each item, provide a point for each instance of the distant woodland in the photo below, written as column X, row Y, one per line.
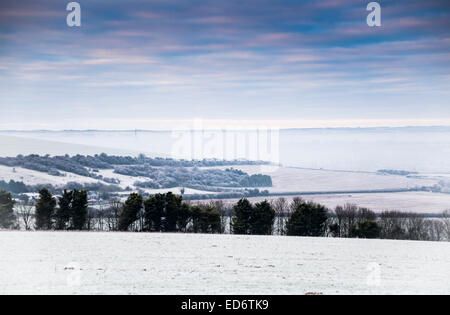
column 159, row 173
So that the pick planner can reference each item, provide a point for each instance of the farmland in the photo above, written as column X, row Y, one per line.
column 140, row 263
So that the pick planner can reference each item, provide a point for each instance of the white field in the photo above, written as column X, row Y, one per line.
column 289, row 179
column 418, row 202
column 138, row 263
column 297, row 180
column 15, row 145
column 31, row 177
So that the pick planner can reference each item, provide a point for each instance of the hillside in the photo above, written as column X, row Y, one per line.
column 117, row 173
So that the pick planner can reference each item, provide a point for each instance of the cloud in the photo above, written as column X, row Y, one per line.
column 217, row 57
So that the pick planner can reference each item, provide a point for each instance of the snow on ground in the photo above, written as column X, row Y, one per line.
column 128, row 181
column 125, row 180
column 30, row 177
column 15, row 145
column 285, row 179
column 176, row 190
column 288, row 179
column 139, row 263
column 419, row 202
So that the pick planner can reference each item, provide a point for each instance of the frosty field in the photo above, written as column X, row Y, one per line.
column 130, row 263
column 416, row 202
column 291, row 179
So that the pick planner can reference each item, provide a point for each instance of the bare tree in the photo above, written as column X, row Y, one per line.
column 25, row 212
column 365, row 214
column 281, row 207
column 340, row 216
column 446, row 221
column 436, row 229
column 224, row 211
column 393, row 225
column 295, row 203
column 101, row 217
column 115, row 208
column 346, row 218
column 417, row 227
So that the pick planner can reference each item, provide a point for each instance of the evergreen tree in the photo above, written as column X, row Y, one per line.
column 206, row 220
column 171, row 211
column 242, row 220
column 184, row 217
column 153, row 213
column 196, row 215
column 64, row 211
column 213, row 220
column 45, row 209
column 130, row 212
column 308, row 219
column 161, row 212
column 366, row 229
column 7, row 217
column 79, row 209
column 262, row 219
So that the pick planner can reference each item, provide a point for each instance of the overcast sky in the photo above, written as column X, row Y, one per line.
column 140, row 63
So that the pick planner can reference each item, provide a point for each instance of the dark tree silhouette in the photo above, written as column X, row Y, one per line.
column 64, row 211
column 366, row 229
column 79, row 209
column 171, row 211
column 262, row 219
column 308, row 219
column 153, row 213
column 242, row 219
column 45, row 210
column 7, row 217
column 130, row 212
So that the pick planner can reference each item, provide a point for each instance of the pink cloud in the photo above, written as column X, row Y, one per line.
column 26, row 13
column 217, row 20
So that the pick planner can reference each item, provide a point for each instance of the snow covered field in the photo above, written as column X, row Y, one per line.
column 415, row 201
column 127, row 263
column 31, row 177
column 285, row 179
column 291, row 179
column 22, row 144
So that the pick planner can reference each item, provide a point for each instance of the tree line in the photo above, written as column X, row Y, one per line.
column 80, row 164
column 163, row 173
column 170, row 213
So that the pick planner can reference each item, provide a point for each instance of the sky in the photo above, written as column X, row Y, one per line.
column 152, row 64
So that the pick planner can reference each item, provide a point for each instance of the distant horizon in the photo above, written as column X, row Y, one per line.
column 234, row 130
column 236, row 125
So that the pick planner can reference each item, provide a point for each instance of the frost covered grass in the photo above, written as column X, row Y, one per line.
column 415, row 201
column 291, row 179
column 139, row 263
